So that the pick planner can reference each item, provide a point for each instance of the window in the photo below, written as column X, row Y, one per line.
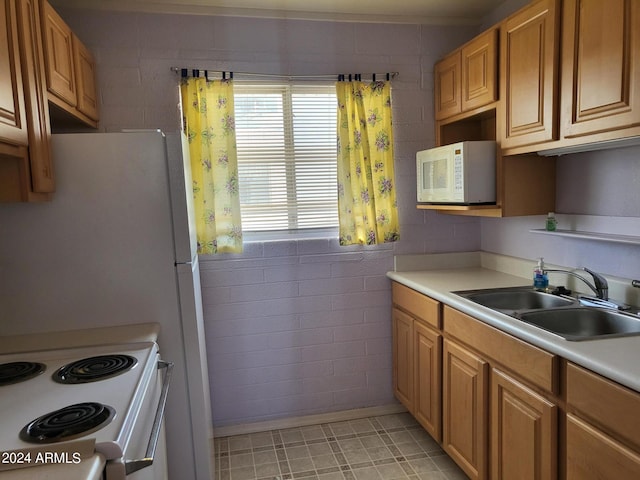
column 286, row 139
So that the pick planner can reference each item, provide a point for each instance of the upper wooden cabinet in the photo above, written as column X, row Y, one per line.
column 26, row 166
column 26, row 171
column 447, row 86
column 40, row 161
column 70, row 69
column 529, row 49
column 58, row 46
column 480, row 71
column 86, row 75
column 600, row 66
column 13, row 125
column 466, row 79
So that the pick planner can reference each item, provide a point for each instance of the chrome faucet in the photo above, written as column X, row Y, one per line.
column 599, row 286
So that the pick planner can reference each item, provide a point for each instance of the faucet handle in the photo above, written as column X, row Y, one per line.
column 600, row 283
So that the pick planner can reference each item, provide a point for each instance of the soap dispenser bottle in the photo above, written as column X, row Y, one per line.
column 540, row 278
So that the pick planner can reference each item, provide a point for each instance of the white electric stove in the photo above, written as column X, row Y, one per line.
column 78, row 410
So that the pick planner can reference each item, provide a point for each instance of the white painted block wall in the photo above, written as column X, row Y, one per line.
column 287, row 328
column 293, row 327
column 297, row 328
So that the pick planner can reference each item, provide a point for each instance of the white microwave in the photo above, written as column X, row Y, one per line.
column 460, row 173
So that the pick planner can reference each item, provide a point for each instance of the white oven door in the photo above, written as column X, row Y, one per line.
column 145, row 456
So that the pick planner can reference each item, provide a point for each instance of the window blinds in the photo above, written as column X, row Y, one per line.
column 286, row 140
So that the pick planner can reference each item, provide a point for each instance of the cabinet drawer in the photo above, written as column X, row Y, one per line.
column 417, row 304
column 606, row 403
column 531, row 363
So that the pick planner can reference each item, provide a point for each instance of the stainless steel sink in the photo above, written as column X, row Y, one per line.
column 561, row 315
column 583, row 323
column 513, row 299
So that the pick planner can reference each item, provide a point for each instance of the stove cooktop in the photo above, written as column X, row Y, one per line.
column 117, row 397
column 15, row 372
column 68, row 423
column 94, row 369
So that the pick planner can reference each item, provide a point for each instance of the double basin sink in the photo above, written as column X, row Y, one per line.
column 558, row 314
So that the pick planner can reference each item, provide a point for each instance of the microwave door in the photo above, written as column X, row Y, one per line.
column 437, row 178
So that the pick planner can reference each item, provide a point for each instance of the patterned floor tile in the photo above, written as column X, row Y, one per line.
column 389, row 447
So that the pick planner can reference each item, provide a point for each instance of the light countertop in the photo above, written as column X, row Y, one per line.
column 118, row 334
column 617, row 358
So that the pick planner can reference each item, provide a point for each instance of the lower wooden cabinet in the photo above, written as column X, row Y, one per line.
column 603, row 427
column 417, row 353
column 524, row 432
column 593, row 455
column 427, row 378
column 464, row 409
column 403, row 358
column 496, row 404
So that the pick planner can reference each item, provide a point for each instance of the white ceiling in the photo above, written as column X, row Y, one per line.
column 468, row 12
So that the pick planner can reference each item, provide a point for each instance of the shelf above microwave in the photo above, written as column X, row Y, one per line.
column 470, row 210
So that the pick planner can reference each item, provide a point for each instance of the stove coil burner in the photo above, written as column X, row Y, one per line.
column 15, row 372
column 68, row 423
column 93, row 369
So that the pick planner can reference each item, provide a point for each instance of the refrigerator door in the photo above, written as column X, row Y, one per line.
column 103, row 253
column 181, row 198
column 196, row 362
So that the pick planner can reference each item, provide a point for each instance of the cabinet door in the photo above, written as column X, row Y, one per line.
column 403, row 358
column 528, row 58
column 479, row 71
column 592, row 455
column 86, row 80
column 447, row 86
column 13, row 125
column 58, row 44
column 428, row 378
column 465, row 412
column 601, row 68
column 41, row 175
column 524, row 432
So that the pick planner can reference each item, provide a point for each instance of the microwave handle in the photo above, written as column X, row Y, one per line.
column 135, row 465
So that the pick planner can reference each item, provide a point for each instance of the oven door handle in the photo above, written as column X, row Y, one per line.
column 135, row 465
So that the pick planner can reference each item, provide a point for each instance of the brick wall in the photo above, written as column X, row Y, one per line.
column 293, row 327
column 296, row 328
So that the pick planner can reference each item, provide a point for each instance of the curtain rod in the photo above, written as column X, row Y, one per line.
column 195, row 72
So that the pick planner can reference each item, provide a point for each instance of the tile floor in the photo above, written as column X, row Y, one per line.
column 377, row 448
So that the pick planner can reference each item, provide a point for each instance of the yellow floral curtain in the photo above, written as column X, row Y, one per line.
column 209, row 123
column 367, row 205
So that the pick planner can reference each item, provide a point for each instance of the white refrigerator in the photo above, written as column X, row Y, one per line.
column 116, row 246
